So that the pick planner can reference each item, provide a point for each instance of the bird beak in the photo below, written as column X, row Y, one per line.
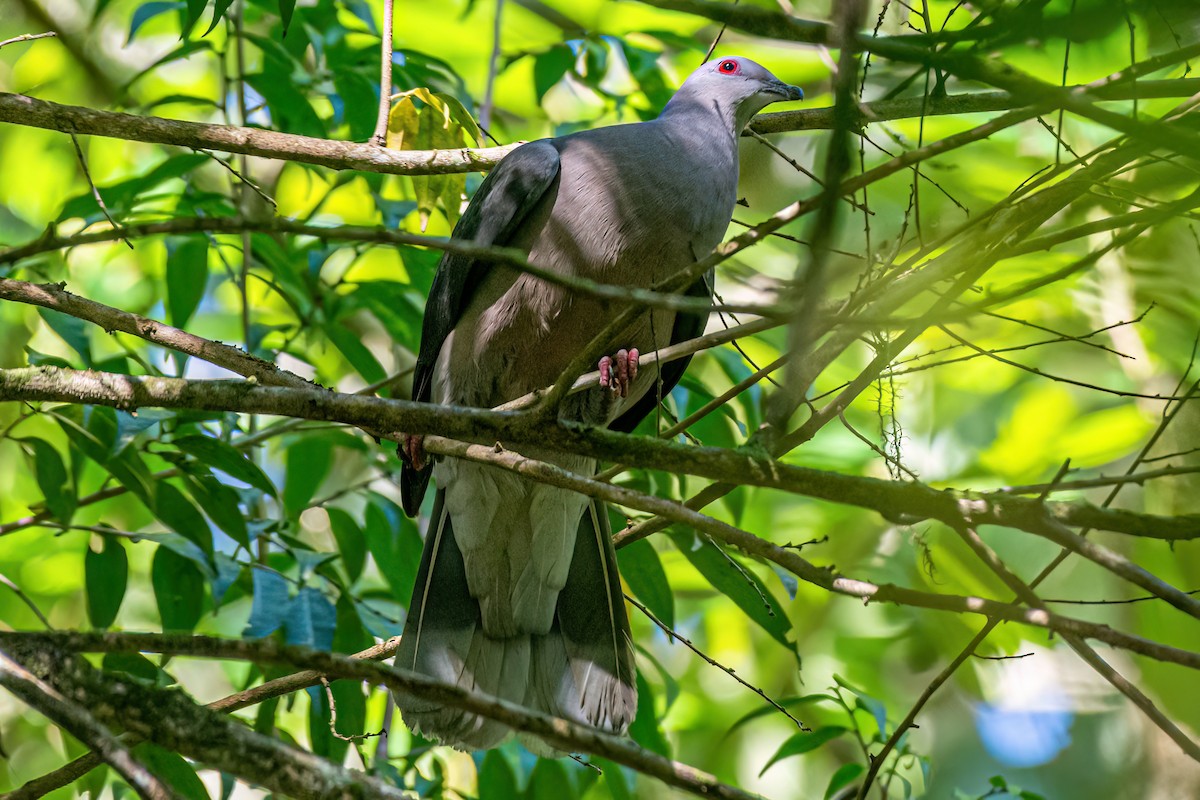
column 786, row 91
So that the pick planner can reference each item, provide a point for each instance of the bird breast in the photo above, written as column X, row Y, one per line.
column 610, row 217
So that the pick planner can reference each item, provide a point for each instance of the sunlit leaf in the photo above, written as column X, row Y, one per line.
column 438, row 124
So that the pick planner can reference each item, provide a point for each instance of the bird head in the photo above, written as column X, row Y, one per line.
column 736, row 86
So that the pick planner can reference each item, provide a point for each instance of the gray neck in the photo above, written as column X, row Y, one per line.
column 710, row 122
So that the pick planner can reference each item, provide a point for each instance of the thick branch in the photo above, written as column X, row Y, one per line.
column 170, row 719
column 75, row 719
column 47, row 651
column 55, row 296
column 23, row 110
column 74, row 770
column 895, row 500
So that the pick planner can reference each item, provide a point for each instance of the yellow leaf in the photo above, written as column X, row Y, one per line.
column 438, row 124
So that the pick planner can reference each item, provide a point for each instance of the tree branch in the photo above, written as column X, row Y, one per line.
column 170, row 719
column 74, row 719
column 23, row 110
column 74, row 770
column 895, row 500
column 206, row 743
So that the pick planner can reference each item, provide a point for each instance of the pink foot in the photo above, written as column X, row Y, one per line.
column 618, row 372
column 412, row 450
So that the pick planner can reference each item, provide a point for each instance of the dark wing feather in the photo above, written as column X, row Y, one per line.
column 493, row 217
column 687, row 326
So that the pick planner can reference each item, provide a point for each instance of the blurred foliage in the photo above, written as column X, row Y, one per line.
column 239, row 526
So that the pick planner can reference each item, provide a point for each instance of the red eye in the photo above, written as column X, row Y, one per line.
column 729, row 67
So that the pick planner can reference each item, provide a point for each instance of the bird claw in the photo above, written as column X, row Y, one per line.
column 412, row 451
column 618, row 372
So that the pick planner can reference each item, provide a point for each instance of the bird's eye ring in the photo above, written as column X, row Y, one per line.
column 729, row 67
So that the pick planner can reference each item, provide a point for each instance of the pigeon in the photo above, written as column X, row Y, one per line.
column 517, row 594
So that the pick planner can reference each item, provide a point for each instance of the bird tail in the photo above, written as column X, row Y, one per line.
column 581, row 669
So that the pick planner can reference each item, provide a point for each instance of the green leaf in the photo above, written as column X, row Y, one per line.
column 358, row 354
column 270, row 604
column 395, row 545
column 350, row 635
column 290, row 109
column 92, row 430
column 187, row 275
column 803, row 742
column 286, row 7
column 870, row 704
column 645, row 729
column 179, row 590
column 180, row 514
column 222, row 504
column 148, row 11
column 72, row 330
column 52, row 479
column 549, row 68
column 618, row 778
column 227, row 458
column 172, row 768
column 439, row 124
column 496, row 780
column 350, row 540
column 194, row 9
column 136, row 666
column 737, row 583
column 182, row 546
column 788, row 702
column 307, row 465
column 360, row 100
column 219, row 9
column 228, row 572
column 643, row 571
column 845, row 775
column 106, row 574
column 549, row 781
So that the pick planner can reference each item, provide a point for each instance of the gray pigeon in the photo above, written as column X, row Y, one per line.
column 517, row 594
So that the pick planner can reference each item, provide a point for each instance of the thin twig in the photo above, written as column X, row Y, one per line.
column 673, row 635
column 27, row 37
column 96, row 191
column 379, row 139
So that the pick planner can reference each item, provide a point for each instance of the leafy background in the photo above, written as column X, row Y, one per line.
column 234, row 526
